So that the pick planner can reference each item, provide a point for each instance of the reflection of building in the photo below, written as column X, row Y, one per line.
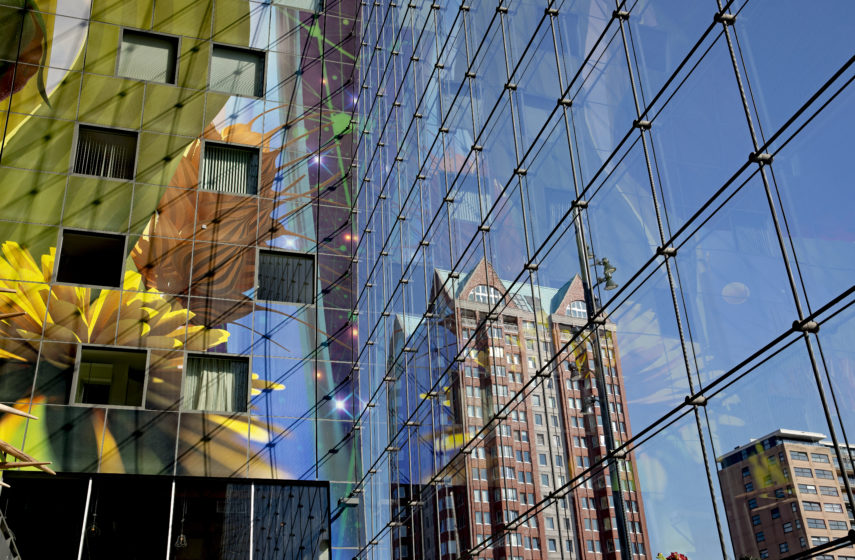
column 783, row 494
column 542, row 441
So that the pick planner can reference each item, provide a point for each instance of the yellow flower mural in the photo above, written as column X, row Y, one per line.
column 130, row 317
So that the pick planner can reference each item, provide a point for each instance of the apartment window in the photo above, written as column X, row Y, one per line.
column 764, row 553
column 749, row 487
column 752, row 503
column 814, row 523
column 828, row 491
column 755, row 520
column 833, row 508
column 111, row 376
column 551, row 545
column 818, row 458
column 807, row 488
column 285, row 277
column 798, row 455
column 229, row 168
column 822, row 473
column 779, row 493
column 835, row 525
column 816, row 541
column 783, row 547
column 148, row 56
column 237, row 71
column 803, row 472
column 216, row 383
column 746, row 471
column 578, row 309
column 105, row 152
column 811, row 506
column 760, row 536
column 788, row 527
column 91, row 258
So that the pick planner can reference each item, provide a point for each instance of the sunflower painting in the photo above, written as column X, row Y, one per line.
column 188, row 285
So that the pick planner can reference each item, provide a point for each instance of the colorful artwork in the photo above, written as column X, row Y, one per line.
column 189, row 277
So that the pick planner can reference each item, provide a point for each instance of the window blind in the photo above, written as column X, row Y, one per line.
column 237, row 71
column 145, row 56
column 286, row 277
column 105, row 153
column 231, row 169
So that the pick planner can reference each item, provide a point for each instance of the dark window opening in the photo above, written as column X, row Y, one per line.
column 109, row 376
column 286, row 277
column 91, row 258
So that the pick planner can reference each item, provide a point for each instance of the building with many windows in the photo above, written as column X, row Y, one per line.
column 265, row 259
column 784, row 493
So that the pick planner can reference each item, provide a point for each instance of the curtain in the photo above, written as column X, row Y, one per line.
column 215, row 384
column 105, row 153
column 230, row 169
column 237, row 71
column 147, row 57
column 284, row 277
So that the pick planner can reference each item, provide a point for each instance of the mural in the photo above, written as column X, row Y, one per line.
column 189, row 275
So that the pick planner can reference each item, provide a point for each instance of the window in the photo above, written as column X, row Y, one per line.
column 818, row 458
column 803, row 472
column 105, row 152
column 229, row 168
column 783, row 547
column 798, row 455
column 551, row 546
column 746, row 471
column 485, row 294
column 816, row 541
column 285, row 277
column 111, row 376
column 764, row 553
column 214, row 383
column 779, row 493
column 811, row 506
column 755, row 520
column 807, row 488
column 837, row 525
column 749, row 487
column 237, row 71
column 813, row 523
column 760, row 536
column 822, row 473
column 148, row 56
column 752, row 503
column 833, row 508
column 578, row 309
column 776, row 513
column 828, row 491
column 91, row 258
column 788, row 527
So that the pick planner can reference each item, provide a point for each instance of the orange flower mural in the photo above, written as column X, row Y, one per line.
column 164, row 255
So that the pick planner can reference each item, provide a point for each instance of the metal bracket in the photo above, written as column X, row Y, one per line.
column 764, row 158
column 726, row 19
column 667, row 251
column 696, row 400
column 806, row 326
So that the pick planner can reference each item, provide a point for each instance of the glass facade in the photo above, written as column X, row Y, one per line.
column 576, row 214
column 510, row 278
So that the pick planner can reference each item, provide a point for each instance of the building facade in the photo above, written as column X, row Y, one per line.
column 238, row 242
column 784, row 493
column 176, row 283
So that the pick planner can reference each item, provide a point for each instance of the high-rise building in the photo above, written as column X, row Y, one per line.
column 784, row 493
